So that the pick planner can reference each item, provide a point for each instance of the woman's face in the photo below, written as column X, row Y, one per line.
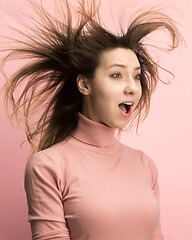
column 116, row 81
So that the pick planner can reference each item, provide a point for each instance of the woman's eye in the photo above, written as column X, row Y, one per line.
column 138, row 77
column 116, row 75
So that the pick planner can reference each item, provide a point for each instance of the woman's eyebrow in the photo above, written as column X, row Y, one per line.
column 123, row 66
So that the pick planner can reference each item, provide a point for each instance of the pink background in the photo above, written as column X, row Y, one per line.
column 165, row 135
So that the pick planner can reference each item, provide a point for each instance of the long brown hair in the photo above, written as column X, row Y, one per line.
column 59, row 52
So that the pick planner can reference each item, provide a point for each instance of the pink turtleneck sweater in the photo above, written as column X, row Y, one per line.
column 92, row 187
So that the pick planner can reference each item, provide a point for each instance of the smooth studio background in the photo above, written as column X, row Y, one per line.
column 165, row 135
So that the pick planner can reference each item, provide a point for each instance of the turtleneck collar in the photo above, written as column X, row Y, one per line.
column 94, row 133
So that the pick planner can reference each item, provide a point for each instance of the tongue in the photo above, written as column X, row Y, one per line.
column 123, row 108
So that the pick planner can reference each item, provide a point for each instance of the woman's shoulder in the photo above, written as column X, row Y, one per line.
column 144, row 161
column 130, row 150
column 47, row 166
column 50, row 157
column 140, row 155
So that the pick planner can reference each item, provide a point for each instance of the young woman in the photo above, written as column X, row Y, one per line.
column 85, row 85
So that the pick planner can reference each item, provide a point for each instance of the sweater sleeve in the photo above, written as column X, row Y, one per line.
column 43, row 183
column 157, row 235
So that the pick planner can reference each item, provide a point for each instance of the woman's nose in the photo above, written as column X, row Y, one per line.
column 132, row 87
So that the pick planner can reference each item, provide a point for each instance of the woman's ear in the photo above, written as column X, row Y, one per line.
column 83, row 84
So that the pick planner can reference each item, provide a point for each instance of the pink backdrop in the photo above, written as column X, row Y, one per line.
column 165, row 135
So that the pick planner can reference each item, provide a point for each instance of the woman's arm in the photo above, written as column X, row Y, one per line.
column 157, row 235
column 44, row 186
column 154, row 176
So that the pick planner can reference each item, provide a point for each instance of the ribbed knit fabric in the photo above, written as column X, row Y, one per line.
column 92, row 187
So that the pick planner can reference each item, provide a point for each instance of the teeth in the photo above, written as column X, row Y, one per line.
column 127, row 103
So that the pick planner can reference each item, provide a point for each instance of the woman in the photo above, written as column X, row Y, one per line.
column 87, row 85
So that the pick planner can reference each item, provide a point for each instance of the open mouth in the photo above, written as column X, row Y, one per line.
column 125, row 107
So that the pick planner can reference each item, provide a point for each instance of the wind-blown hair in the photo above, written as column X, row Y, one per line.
column 59, row 52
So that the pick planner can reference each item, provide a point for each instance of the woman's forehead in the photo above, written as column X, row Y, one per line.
column 119, row 57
